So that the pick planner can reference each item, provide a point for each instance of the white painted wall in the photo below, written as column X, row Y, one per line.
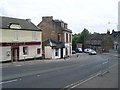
column 32, row 52
column 0, row 41
column 68, row 46
column 23, row 35
column 48, row 52
column 53, row 55
column 3, row 53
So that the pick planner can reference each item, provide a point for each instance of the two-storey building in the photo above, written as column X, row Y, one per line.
column 20, row 39
column 99, row 42
column 57, row 38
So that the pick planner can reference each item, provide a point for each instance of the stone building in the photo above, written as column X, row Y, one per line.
column 57, row 38
column 99, row 42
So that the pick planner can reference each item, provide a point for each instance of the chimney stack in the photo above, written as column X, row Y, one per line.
column 47, row 18
column 29, row 20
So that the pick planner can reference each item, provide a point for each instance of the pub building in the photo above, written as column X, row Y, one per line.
column 20, row 40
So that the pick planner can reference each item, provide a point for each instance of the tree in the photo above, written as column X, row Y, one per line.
column 80, row 38
column 83, row 36
column 74, row 41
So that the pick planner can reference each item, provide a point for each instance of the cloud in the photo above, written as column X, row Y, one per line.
column 79, row 14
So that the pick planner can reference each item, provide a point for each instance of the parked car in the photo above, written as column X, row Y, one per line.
column 87, row 50
column 78, row 50
column 73, row 52
column 92, row 52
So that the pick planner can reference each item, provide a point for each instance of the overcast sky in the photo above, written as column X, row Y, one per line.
column 79, row 14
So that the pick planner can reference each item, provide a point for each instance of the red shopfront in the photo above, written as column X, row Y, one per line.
column 15, row 48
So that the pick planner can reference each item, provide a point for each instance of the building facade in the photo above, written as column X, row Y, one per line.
column 116, row 38
column 57, row 38
column 99, row 42
column 21, row 40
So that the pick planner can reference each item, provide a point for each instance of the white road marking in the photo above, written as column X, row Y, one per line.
column 85, row 80
column 73, row 85
column 38, row 75
column 18, row 65
column 8, row 81
column 105, row 62
column 81, row 81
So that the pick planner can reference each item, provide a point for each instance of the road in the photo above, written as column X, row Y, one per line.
column 55, row 74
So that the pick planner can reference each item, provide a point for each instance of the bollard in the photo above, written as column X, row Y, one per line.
column 24, row 59
column 77, row 55
column 64, row 57
column 108, row 66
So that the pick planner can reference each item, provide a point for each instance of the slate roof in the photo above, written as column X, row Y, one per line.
column 60, row 21
column 5, row 23
column 95, row 37
column 53, row 43
column 115, row 33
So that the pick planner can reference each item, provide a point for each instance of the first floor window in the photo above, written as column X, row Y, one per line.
column 15, row 35
column 25, row 50
column 56, row 52
column 34, row 36
column 38, row 50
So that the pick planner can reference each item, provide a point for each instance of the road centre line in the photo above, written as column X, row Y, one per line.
column 14, row 80
column 105, row 62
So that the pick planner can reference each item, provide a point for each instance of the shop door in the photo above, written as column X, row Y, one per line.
column 15, row 54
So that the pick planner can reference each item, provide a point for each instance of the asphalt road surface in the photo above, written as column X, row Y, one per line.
column 55, row 74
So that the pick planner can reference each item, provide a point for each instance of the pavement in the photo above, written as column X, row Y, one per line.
column 32, row 62
column 113, row 52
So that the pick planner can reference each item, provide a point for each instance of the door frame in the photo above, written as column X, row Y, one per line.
column 14, row 54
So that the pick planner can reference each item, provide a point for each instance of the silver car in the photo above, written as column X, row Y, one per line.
column 92, row 52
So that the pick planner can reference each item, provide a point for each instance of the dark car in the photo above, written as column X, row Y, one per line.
column 73, row 52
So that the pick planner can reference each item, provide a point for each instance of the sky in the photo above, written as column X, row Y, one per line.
column 93, row 15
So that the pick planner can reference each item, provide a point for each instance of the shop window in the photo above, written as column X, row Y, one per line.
column 57, row 52
column 38, row 51
column 25, row 50
column 34, row 36
column 15, row 35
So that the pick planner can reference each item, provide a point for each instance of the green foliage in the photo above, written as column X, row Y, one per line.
column 74, row 40
column 80, row 37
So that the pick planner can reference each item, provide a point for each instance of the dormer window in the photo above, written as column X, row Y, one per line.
column 65, row 26
column 62, row 25
column 15, row 26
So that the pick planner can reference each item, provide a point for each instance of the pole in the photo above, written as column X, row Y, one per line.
column 24, row 59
